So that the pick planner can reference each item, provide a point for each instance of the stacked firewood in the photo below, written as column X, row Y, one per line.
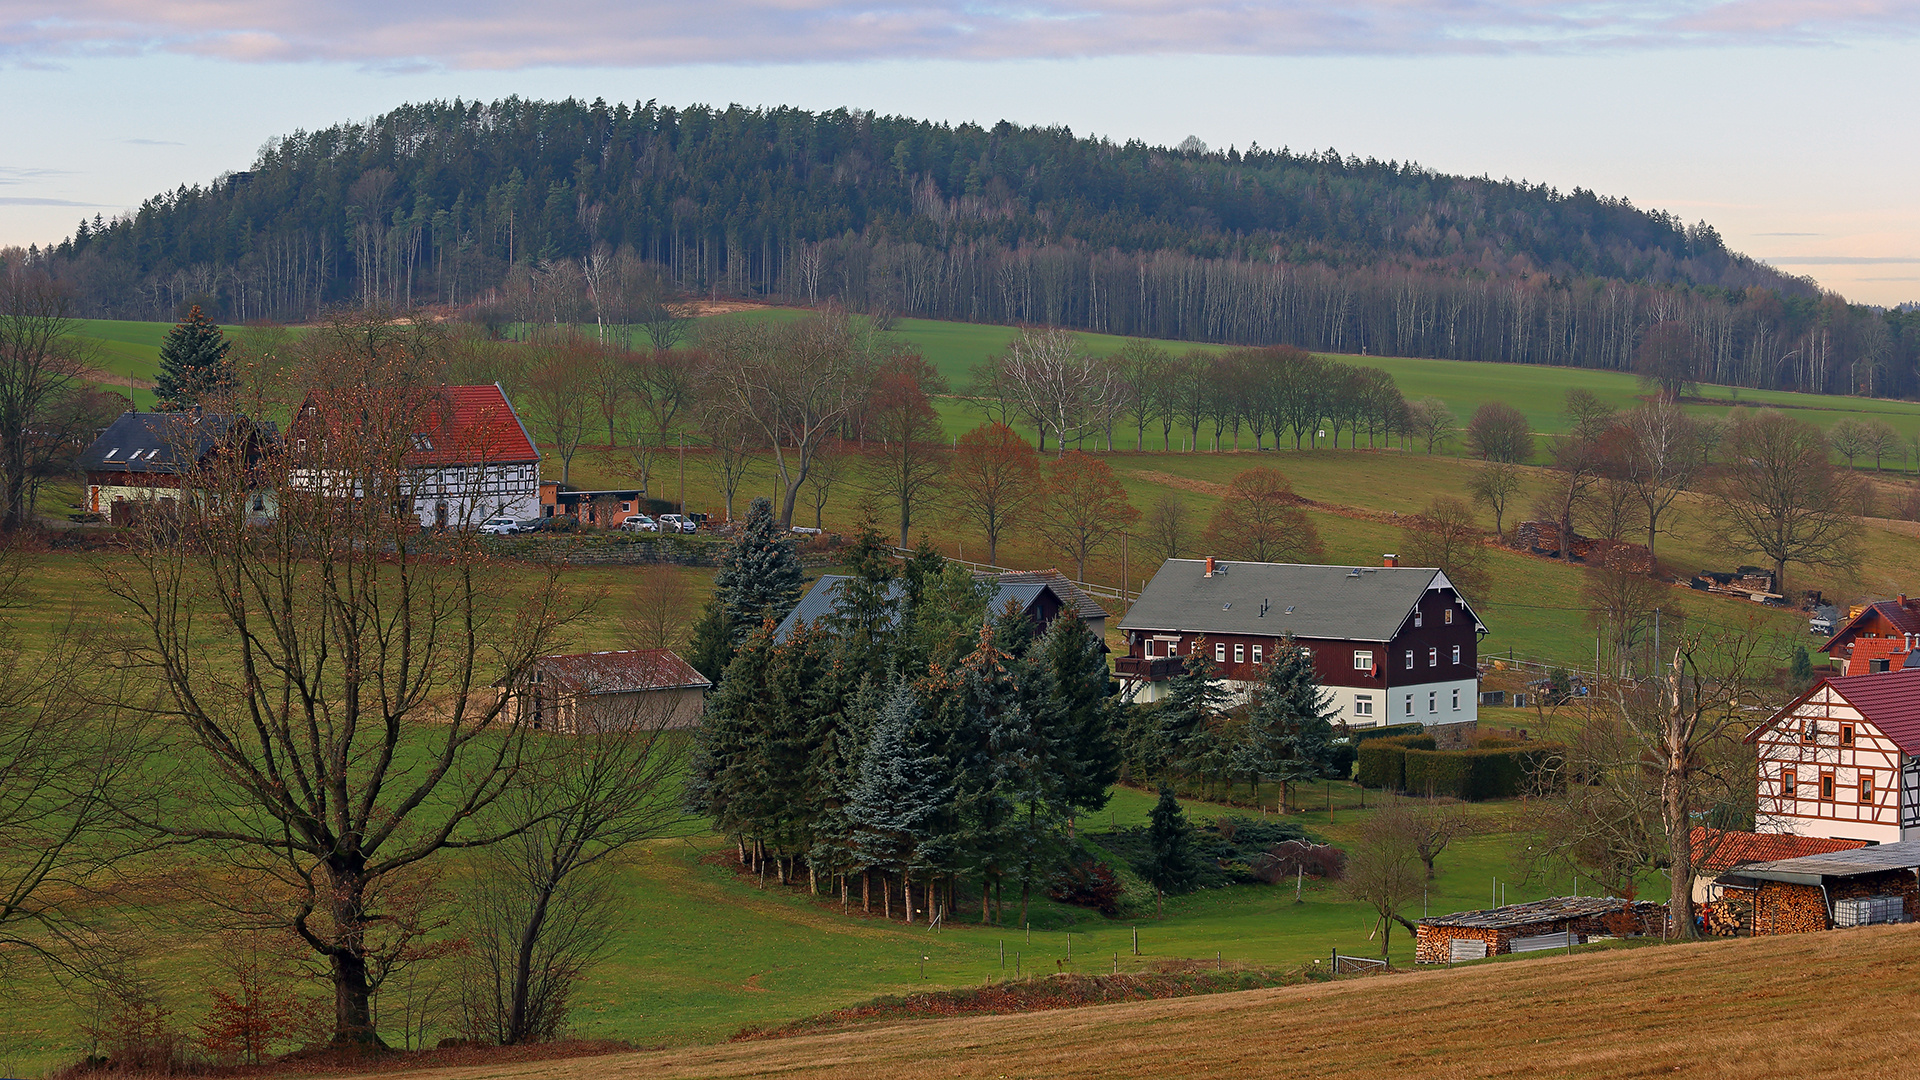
column 1729, row 916
column 1433, row 947
column 1789, row 909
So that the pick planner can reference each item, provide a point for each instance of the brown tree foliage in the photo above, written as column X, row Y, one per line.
column 1166, row 530
column 908, row 460
column 40, row 368
column 994, row 482
column 1446, row 536
column 1083, row 509
column 1260, row 520
column 1668, row 359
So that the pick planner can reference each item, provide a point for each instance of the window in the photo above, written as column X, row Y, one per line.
column 1789, row 785
column 1409, row 659
column 1433, row 701
column 1239, row 654
column 1456, row 654
column 1363, row 660
column 1256, row 654
column 1416, row 616
column 1149, row 652
column 1448, row 617
column 1220, row 652
column 1810, row 732
column 1433, row 657
column 1409, row 704
column 1826, row 786
column 1866, row 788
column 1846, row 734
column 1363, row 705
column 1456, row 699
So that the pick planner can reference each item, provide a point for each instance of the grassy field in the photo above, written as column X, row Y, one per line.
column 1735, row 1009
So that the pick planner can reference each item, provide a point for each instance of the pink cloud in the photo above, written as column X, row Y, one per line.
column 497, row 34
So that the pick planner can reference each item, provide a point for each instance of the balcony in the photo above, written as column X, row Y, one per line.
column 1158, row 669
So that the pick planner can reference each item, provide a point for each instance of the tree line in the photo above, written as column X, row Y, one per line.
column 460, row 203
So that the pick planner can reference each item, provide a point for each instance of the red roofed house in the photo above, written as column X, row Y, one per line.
column 1715, row 851
column 1897, row 620
column 1874, row 656
column 1842, row 760
column 470, row 457
column 612, row 691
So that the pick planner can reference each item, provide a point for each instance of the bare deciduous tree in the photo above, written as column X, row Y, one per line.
column 657, row 609
column 1083, row 508
column 559, row 393
column 1495, row 485
column 793, row 382
column 906, row 466
column 333, row 674
column 40, row 365
column 1779, row 497
column 1385, row 873
column 995, row 479
column 1047, row 378
column 1655, row 451
column 1429, row 422
column 1165, row 532
column 1259, row 519
column 1446, row 536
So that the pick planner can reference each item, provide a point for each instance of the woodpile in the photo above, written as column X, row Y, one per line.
column 1782, row 908
column 1729, row 916
column 1891, row 883
column 1583, row 916
column 1432, row 944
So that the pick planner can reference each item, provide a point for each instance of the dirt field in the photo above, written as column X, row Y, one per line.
column 1829, row 1004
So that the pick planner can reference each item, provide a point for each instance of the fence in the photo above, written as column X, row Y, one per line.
column 1356, row 965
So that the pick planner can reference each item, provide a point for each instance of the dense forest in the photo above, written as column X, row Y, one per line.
column 444, row 203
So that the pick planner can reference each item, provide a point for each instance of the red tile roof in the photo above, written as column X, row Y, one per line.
column 1715, row 850
column 621, row 672
column 1905, row 619
column 453, row 425
column 1866, row 650
column 1889, row 701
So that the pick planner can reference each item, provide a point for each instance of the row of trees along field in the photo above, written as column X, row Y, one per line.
column 464, row 203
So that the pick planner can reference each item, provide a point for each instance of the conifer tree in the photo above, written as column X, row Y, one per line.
column 1170, row 864
column 989, row 743
column 866, row 607
column 760, row 574
column 194, row 366
column 1080, row 690
column 1289, row 733
column 1188, row 714
column 902, row 796
column 722, row 777
column 836, row 774
column 710, row 649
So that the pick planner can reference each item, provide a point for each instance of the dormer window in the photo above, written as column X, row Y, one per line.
column 423, row 442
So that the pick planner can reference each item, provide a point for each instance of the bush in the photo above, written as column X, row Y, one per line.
column 1382, row 763
column 1476, row 775
column 1086, row 883
column 1391, row 731
column 1285, row 860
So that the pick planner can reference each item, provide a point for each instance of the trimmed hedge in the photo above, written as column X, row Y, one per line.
column 1475, row 775
column 1391, row 731
column 1382, row 763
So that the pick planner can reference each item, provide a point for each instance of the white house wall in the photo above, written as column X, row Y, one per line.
column 1804, row 812
column 1452, row 702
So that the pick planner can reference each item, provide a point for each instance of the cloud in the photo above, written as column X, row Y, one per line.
column 508, row 34
column 23, row 200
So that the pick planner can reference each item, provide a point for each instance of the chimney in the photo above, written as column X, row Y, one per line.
column 1209, row 566
column 1390, row 559
column 1902, row 601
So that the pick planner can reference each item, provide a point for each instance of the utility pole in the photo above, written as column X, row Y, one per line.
column 683, row 474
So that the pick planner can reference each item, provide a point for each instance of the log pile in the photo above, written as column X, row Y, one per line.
column 1432, row 943
column 1782, row 908
column 1729, row 916
column 1891, row 883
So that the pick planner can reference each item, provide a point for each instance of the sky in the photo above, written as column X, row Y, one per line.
column 1780, row 123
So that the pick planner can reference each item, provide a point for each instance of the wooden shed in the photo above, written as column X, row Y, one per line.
column 1818, row 892
column 1553, row 923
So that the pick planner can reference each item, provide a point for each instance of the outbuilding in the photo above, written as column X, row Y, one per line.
column 1555, row 923
column 1818, row 892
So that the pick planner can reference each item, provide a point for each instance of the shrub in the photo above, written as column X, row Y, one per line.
column 1487, row 773
column 1382, row 763
column 1086, row 883
column 1285, row 860
column 1390, row 731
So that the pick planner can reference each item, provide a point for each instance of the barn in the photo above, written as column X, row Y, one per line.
column 1554, row 923
column 633, row 689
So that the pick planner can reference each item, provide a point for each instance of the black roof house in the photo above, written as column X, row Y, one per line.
column 1352, row 603
column 155, row 443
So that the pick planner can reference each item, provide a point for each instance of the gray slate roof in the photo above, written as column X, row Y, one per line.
column 1809, row 869
column 1552, row 909
column 1338, row 603
column 1022, row 588
column 138, row 442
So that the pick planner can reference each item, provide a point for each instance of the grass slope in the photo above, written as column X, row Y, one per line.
column 1733, row 1009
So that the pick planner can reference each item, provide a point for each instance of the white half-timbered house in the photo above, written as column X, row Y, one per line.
column 1843, row 760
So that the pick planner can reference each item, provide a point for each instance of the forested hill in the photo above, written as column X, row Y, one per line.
column 450, row 203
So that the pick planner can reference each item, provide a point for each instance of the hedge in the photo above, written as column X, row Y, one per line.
column 1391, row 731
column 1382, row 763
column 1475, row 775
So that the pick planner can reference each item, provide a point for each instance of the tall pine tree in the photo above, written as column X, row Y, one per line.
column 194, row 367
column 903, row 795
column 760, row 574
column 1170, row 862
column 1086, row 750
column 1289, row 732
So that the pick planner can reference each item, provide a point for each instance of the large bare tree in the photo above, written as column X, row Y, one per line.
column 1779, row 496
column 1046, row 377
column 793, row 382
column 909, row 460
column 40, row 366
column 996, row 478
column 329, row 678
column 1655, row 451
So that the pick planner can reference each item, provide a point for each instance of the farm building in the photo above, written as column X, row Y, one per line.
column 606, row 509
column 1716, row 851
column 1842, row 760
column 1896, row 620
column 1817, row 892
column 1392, row 644
column 140, row 459
column 1041, row 595
column 612, row 691
column 1554, row 923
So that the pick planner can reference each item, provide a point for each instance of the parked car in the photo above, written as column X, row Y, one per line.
column 501, row 526
column 561, row 523
column 679, row 523
column 639, row 523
